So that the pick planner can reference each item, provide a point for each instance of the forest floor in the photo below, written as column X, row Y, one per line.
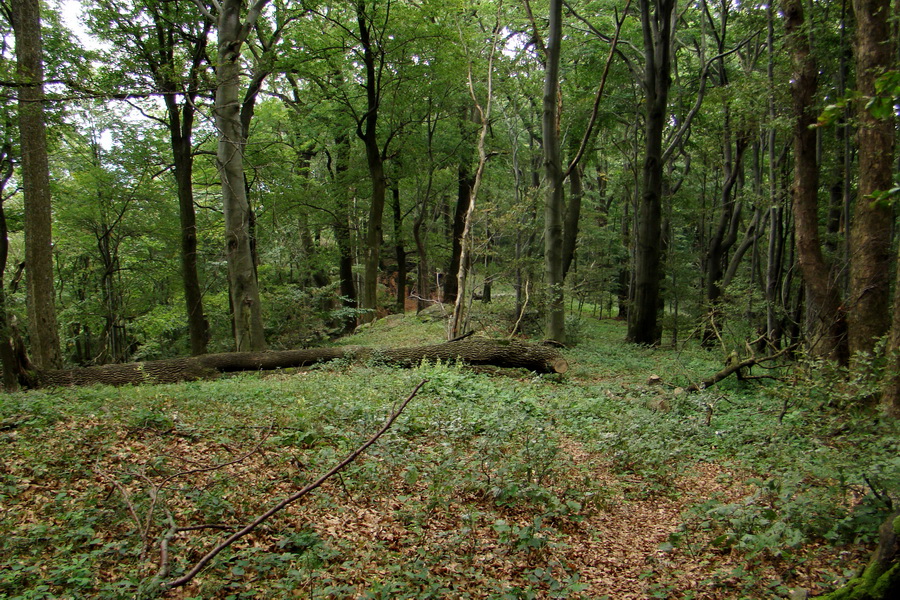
column 491, row 484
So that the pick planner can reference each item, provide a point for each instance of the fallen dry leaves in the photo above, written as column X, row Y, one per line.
column 615, row 548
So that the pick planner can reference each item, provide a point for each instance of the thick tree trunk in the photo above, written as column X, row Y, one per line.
column 828, row 337
column 643, row 316
column 554, row 206
column 881, row 578
column 868, row 314
column 43, row 328
column 248, row 324
column 501, row 353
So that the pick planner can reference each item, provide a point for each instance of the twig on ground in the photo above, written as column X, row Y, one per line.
column 187, row 577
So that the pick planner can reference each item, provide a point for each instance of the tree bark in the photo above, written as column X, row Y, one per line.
column 399, row 251
column 554, row 205
column 369, row 136
column 248, row 324
column 465, row 181
column 43, row 327
column 500, row 353
column 823, row 301
column 868, row 314
column 7, row 356
column 881, row 578
column 643, row 317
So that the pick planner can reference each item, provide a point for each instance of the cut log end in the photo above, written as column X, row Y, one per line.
column 559, row 365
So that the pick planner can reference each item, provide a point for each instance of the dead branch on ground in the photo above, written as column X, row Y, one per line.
column 200, row 564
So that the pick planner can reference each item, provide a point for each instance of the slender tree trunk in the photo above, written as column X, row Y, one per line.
column 180, row 132
column 399, row 251
column 868, row 315
column 343, row 234
column 554, row 206
column 248, row 325
column 657, row 25
column 463, row 201
column 368, row 133
column 7, row 357
column 573, row 217
column 43, row 328
column 822, row 298
column 459, row 318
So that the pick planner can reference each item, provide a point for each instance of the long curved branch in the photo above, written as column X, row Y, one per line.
column 187, row 577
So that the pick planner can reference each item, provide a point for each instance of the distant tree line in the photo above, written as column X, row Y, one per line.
column 213, row 175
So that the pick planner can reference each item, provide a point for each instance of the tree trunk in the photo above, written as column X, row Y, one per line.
column 343, row 233
column 881, row 578
column 643, row 317
column 822, row 300
column 554, row 206
column 500, row 353
column 248, row 324
column 43, row 328
column 180, row 133
column 375, row 162
column 573, row 217
column 7, row 357
column 463, row 199
column 868, row 314
column 399, row 252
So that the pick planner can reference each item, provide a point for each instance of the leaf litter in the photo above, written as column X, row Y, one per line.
column 374, row 530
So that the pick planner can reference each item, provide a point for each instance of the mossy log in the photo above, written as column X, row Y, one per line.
column 880, row 580
column 501, row 353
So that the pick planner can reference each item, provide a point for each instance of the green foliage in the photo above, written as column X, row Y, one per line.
column 486, row 456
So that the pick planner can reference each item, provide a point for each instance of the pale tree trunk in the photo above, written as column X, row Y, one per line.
column 657, row 25
column 554, row 206
column 460, row 308
column 43, row 328
column 868, row 315
column 248, row 325
column 828, row 335
column 465, row 182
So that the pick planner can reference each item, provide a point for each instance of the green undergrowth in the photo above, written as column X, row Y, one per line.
column 479, row 465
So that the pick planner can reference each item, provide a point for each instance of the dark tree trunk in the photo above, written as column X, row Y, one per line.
column 868, row 312
column 180, row 130
column 343, row 234
column 43, row 328
column 822, row 298
column 367, row 131
column 573, row 217
column 643, row 317
column 399, row 252
column 463, row 200
column 7, row 356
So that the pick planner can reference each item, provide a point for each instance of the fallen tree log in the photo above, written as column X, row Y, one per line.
column 735, row 366
column 501, row 353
